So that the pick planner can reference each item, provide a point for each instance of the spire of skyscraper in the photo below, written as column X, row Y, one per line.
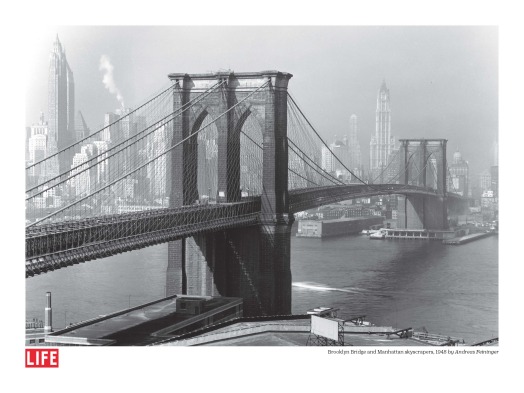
column 383, row 86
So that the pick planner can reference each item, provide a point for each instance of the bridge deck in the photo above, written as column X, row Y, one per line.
column 60, row 244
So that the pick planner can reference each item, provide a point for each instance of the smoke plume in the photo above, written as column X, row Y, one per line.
column 108, row 80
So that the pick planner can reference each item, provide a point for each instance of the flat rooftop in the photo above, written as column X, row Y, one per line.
column 288, row 333
column 359, row 218
column 136, row 325
column 159, row 323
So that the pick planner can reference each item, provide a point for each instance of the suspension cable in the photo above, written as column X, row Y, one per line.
column 320, row 173
column 299, row 175
column 99, row 131
column 105, row 155
column 151, row 160
column 309, row 158
column 324, row 143
column 387, row 166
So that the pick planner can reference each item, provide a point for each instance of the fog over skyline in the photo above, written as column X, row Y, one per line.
column 443, row 81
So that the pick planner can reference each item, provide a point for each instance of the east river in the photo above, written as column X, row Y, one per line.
column 449, row 290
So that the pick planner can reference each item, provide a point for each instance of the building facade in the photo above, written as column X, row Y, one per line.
column 382, row 143
column 355, row 160
column 81, row 129
column 61, row 105
column 327, row 159
column 458, row 180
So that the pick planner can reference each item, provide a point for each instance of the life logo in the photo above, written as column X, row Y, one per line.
column 41, row 358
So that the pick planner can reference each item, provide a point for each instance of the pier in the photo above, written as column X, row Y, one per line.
column 467, row 238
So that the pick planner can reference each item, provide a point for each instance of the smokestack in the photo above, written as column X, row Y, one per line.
column 48, row 325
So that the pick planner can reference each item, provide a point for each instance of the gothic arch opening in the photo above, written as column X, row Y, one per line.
column 207, row 156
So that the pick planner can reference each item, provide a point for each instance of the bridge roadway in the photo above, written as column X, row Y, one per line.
column 61, row 244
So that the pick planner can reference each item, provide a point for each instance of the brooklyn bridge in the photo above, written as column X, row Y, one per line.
column 231, row 157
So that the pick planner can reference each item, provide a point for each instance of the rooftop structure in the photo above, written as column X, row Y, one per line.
column 149, row 323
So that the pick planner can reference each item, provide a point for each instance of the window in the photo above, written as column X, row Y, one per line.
column 31, row 341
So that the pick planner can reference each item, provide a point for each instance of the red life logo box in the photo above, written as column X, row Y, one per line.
column 41, row 357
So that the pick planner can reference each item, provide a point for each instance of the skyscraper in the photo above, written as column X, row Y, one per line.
column 81, row 128
column 61, row 104
column 355, row 163
column 80, row 175
column 382, row 143
column 111, row 131
column 458, row 180
column 327, row 159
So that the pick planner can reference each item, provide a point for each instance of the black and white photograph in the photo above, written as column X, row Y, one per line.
column 294, row 187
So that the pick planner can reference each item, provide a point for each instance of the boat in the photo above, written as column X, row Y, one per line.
column 380, row 234
column 368, row 231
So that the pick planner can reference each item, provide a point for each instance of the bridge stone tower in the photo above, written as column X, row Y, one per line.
column 253, row 262
column 423, row 163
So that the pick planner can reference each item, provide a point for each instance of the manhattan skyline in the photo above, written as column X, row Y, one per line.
column 443, row 81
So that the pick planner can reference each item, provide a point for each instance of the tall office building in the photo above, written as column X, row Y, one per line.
column 336, row 159
column 61, row 104
column 80, row 174
column 327, row 159
column 111, row 131
column 355, row 162
column 81, row 128
column 458, row 179
column 382, row 143
column 37, row 143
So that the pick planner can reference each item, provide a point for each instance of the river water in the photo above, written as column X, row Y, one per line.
column 449, row 290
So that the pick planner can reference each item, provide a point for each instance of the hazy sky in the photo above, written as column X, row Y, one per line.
column 443, row 81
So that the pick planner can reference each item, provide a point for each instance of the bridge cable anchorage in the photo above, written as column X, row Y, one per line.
column 324, row 143
column 147, row 162
column 142, row 134
column 104, row 128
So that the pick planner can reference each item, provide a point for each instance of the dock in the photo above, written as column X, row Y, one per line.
column 336, row 227
column 467, row 238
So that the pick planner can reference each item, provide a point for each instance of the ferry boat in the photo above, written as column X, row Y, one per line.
column 372, row 229
column 379, row 234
